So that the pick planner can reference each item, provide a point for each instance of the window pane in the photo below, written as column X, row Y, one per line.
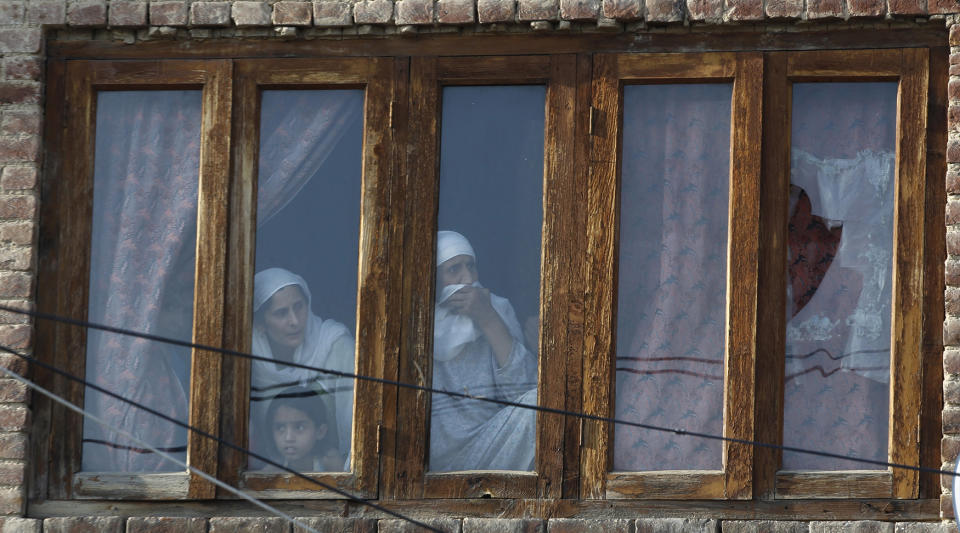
column 146, row 174
column 671, row 297
column 488, row 277
column 305, row 289
column 840, row 260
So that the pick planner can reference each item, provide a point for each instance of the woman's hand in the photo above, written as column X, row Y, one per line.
column 474, row 302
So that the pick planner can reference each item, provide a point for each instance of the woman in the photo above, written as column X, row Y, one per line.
column 286, row 330
column 478, row 349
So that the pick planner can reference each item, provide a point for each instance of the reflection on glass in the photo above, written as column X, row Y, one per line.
column 840, row 262
column 308, row 224
column 672, row 274
column 142, row 257
column 488, row 283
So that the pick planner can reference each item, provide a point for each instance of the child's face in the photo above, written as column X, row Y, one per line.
column 294, row 433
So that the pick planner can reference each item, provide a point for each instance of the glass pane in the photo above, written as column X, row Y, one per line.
column 488, row 277
column 143, row 251
column 840, row 260
column 671, row 295
column 305, row 289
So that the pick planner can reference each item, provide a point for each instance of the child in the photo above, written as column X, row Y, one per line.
column 298, row 423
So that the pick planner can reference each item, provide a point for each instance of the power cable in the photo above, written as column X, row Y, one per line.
column 62, row 401
column 219, row 440
column 507, row 403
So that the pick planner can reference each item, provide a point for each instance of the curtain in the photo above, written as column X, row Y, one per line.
column 672, row 274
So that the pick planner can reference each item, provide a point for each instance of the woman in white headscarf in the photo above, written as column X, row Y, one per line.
column 478, row 348
column 286, row 330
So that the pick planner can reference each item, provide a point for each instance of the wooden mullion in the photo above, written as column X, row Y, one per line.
column 576, row 252
column 479, row 484
column 238, row 313
column 905, row 380
column 419, row 240
column 497, row 69
column 208, row 305
column 934, row 255
column 559, row 195
column 602, row 219
column 772, row 279
column 742, row 273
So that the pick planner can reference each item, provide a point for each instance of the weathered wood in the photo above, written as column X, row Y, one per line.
column 906, row 326
column 934, row 255
column 673, row 67
column 772, row 279
column 499, row 69
column 209, row 275
column 558, row 225
column 728, row 39
column 742, row 273
column 166, row 486
column 667, row 485
column 599, row 297
column 837, row 65
column 287, row 486
column 848, row 484
column 576, row 244
column 480, row 484
column 883, row 509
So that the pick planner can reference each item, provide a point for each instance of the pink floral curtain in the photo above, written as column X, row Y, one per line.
column 141, row 272
column 672, row 274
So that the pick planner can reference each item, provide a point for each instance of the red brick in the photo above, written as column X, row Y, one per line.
column 14, row 417
column 946, row 506
column 951, row 421
column 332, row 14
column 210, row 13
column 784, row 8
column 26, row 40
column 247, row 525
column 16, row 337
column 128, row 14
column 13, row 445
column 951, row 361
column 11, row 12
column 87, row 14
column 953, row 210
column 907, row 7
column 22, row 68
column 953, row 243
column 664, row 10
column 251, row 14
column 11, row 524
column 503, row 525
column 951, row 333
column 373, row 12
column 19, row 150
column 459, row 11
column 954, row 70
column 18, row 178
column 16, row 257
column 20, row 123
column 489, row 11
column 952, row 272
column 293, row 13
column 588, row 525
column 19, row 93
column 12, row 390
column 11, row 501
column 820, row 9
column 414, row 12
column 17, row 232
column 11, row 474
column 153, row 524
column 537, row 10
column 955, row 41
column 935, row 7
column 447, row 525
column 84, row 524
column 953, row 151
column 15, row 285
column 949, row 447
column 952, row 300
column 709, row 10
column 951, row 391
column 171, row 13
column 743, row 10
column 47, row 13
column 579, row 9
column 623, row 9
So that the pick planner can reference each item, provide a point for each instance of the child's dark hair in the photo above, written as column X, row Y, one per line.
column 306, row 400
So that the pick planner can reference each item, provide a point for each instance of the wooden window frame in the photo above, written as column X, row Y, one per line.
column 578, row 268
column 611, row 73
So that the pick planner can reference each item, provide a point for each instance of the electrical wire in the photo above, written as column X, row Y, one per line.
column 62, row 401
column 507, row 403
column 203, row 433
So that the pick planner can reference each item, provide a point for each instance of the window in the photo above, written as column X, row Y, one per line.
column 730, row 243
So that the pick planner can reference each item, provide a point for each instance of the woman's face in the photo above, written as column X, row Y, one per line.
column 458, row 270
column 285, row 318
column 294, row 433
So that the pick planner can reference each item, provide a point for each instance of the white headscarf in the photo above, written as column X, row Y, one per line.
column 318, row 338
column 451, row 244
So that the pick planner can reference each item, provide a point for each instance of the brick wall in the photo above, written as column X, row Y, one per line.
column 23, row 24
